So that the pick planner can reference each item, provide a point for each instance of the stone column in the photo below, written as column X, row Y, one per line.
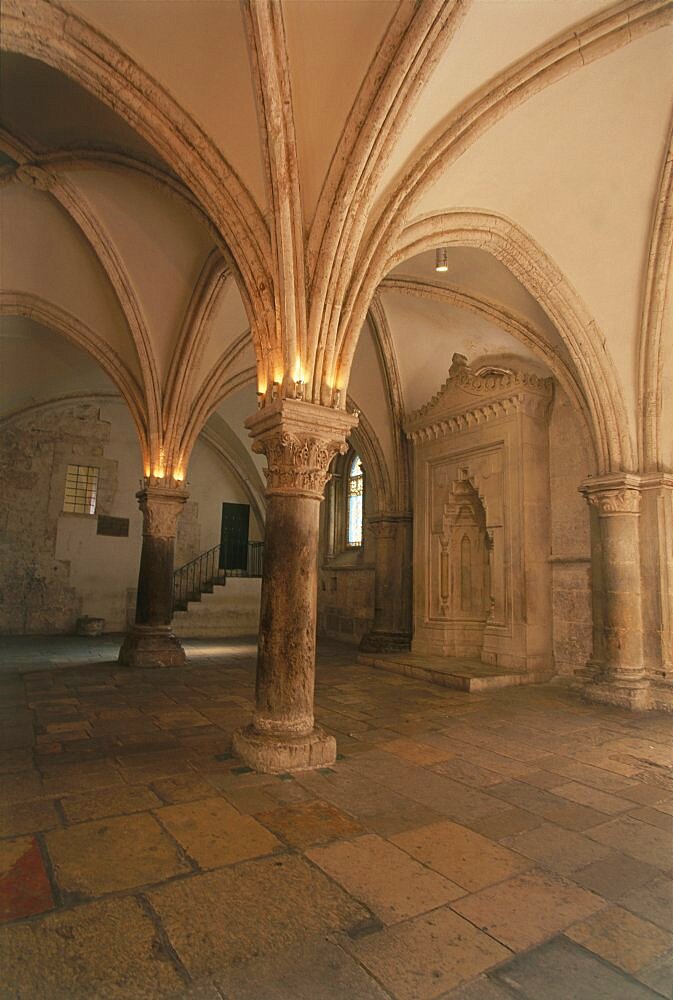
column 392, row 627
column 299, row 440
column 618, row 665
column 151, row 643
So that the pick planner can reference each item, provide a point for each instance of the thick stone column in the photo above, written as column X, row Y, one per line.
column 151, row 643
column 618, row 665
column 299, row 440
column 656, row 549
column 392, row 628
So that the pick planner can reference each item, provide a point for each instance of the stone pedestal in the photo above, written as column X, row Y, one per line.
column 391, row 631
column 616, row 672
column 151, row 643
column 299, row 440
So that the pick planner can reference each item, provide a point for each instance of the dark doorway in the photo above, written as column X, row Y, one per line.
column 234, row 536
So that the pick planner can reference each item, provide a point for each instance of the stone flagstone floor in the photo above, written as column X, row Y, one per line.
column 515, row 844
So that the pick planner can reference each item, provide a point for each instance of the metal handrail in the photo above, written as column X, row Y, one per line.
column 202, row 573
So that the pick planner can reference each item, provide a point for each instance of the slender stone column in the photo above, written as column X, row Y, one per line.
column 299, row 440
column 619, row 674
column 391, row 630
column 151, row 643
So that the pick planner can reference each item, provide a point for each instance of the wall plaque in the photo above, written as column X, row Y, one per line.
column 116, row 526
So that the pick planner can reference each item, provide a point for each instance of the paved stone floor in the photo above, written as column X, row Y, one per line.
column 516, row 844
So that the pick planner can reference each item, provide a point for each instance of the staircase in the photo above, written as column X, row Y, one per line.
column 210, row 600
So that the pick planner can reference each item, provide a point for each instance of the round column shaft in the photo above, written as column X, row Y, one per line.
column 620, row 676
column 151, row 642
column 299, row 440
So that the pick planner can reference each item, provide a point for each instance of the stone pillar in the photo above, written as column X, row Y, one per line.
column 618, row 665
column 392, row 627
column 656, row 549
column 299, row 440
column 151, row 643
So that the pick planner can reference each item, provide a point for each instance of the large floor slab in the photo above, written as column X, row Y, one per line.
column 515, row 842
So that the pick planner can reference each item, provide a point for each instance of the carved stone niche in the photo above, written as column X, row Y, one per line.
column 482, row 582
column 464, row 589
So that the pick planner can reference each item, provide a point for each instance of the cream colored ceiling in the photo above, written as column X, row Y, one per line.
column 48, row 109
column 197, row 50
column 162, row 245
column 40, row 366
column 330, row 46
column 43, row 253
column 492, row 36
column 576, row 166
column 426, row 334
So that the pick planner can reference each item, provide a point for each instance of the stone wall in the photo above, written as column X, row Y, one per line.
column 54, row 566
column 569, row 464
column 345, row 602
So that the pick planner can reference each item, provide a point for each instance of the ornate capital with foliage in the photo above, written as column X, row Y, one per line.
column 299, row 440
column 161, row 506
column 611, row 495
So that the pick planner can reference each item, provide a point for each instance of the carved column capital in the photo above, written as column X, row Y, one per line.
column 613, row 495
column 299, row 440
column 161, row 506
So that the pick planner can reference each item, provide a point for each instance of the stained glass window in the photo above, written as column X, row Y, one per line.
column 355, row 497
column 81, row 487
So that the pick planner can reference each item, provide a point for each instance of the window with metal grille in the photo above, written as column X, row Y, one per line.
column 355, row 497
column 81, row 486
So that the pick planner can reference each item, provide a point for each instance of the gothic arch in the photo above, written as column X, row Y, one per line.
column 365, row 442
column 43, row 31
column 657, row 325
column 13, row 303
column 514, row 324
column 541, row 277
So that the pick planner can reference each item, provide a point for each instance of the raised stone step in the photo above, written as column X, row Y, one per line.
column 231, row 610
column 451, row 672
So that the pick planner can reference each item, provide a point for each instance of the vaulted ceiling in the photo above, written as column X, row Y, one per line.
column 210, row 187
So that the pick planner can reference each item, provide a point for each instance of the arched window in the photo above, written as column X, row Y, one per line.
column 354, row 499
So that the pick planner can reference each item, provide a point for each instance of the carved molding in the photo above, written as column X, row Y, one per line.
column 161, row 507
column 469, row 419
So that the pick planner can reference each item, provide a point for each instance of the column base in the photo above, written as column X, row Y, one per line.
column 278, row 754
column 385, row 642
column 636, row 696
column 151, row 646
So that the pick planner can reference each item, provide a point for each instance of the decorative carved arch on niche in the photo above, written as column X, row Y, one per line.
column 537, row 272
column 62, row 40
column 13, row 303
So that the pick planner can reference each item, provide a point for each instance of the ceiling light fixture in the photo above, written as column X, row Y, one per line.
column 441, row 259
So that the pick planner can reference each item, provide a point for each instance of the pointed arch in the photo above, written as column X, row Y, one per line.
column 514, row 324
column 541, row 277
column 41, row 30
column 657, row 324
column 16, row 303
